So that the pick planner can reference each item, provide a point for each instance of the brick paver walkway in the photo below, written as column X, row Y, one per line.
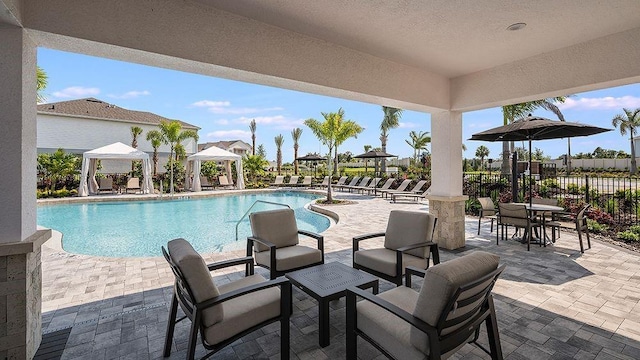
column 552, row 303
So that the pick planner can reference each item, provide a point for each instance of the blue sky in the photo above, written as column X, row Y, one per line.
column 223, row 108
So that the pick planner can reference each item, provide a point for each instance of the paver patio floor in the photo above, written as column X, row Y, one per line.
column 552, row 303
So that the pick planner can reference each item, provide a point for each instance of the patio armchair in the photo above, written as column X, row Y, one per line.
column 408, row 241
column 487, row 210
column 133, row 184
column 223, row 314
column 578, row 222
column 276, row 245
column 434, row 323
column 517, row 215
column 105, row 184
column 548, row 217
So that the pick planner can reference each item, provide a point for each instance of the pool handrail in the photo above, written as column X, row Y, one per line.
column 251, row 207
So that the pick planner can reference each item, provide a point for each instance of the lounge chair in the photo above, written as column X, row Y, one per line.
column 293, row 181
column 133, row 184
column 279, row 181
column 384, row 186
column 341, row 181
column 353, row 182
column 223, row 314
column 306, row 181
column 224, row 182
column 325, row 182
column 411, row 195
column 400, row 188
column 276, row 245
column 454, row 302
column 105, row 184
column 372, row 185
column 416, row 189
column 204, row 183
column 363, row 183
column 408, row 240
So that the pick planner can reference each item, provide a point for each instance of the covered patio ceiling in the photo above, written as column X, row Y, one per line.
column 421, row 55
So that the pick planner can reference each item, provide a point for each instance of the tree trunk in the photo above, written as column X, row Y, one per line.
column 634, row 167
column 253, row 145
column 383, row 161
column 329, row 196
column 568, row 156
column 172, row 166
column 155, row 162
column 295, row 157
column 505, row 168
column 335, row 164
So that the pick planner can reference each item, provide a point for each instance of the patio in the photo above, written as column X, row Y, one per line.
column 551, row 302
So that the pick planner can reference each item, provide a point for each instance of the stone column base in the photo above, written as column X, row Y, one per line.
column 449, row 232
column 21, row 296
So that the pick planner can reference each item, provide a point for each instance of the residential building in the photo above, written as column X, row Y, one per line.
column 235, row 146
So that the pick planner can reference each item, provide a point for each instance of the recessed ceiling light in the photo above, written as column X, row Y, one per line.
column 516, row 26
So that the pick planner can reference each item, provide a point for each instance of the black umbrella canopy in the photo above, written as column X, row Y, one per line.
column 311, row 157
column 537, row 128
column 374, row 154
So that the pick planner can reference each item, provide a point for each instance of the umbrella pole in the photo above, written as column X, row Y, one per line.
column 530, row 171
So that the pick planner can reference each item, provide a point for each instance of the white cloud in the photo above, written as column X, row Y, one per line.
column 603, row 103
column 130, row 94
column 235, row 134
column 76, row 92
column 224, row 107
column 408, row 125
column 222, row 122
column 278, row 121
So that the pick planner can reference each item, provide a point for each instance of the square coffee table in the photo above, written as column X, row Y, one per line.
column 328, row 282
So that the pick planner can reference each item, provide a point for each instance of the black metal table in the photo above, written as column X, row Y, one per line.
column 328, row 282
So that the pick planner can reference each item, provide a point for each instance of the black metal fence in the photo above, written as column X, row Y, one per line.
column 616, row 198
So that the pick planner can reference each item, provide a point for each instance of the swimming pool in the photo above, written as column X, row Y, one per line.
column 140, row 228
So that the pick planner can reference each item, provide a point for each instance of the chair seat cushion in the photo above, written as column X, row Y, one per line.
column 245, row 311
column 384, row 260
column 290, row 257
column 388, row 330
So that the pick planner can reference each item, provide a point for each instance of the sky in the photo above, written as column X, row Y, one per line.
column 223, row 108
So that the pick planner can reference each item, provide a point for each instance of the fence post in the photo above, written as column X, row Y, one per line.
column 586, row 189
column 480, row 192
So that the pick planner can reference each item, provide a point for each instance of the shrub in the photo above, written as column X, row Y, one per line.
column 628, row 236
column 596, row 227
column 573, row 189
column 550, row 183
column 635, row 229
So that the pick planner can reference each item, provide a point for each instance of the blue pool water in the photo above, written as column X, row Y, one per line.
column 127, row 229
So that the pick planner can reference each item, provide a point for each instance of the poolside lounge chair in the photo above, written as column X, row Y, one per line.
column 341, row 181
column 306, row 181
column 384, row 186
column 411, row 195
column 400, row 188
column 353, row 182
column 204, row 183
column 293, row 181
column 325, row 182
column 223, row 314
column 416, row 189
column 276, row 245
column 279, row 181
column 373, row 184
column 453, row 304
column 133, row 184
column 105, row 184
column 363, row 183
column 224, row 182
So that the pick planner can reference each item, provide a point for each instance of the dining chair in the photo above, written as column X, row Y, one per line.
column 518, row 216
column 487, row 210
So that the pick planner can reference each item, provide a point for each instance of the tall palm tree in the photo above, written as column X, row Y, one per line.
column 346, row 129
column 419, row 141
column 330, row 131
column 482, row 152
column 515, row 111
column 135, row 132
column 295, row 134
column 172, row 135
column 279, row 141
column 629, row 122
column 41, row 83
column 391, row 120
column 253, row 127
column 155, row 137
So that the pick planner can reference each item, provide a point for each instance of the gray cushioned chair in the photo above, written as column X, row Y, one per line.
column 517, row 215
column 487, row 211
column 276, row 243
column 408, row 241
column 223, row 314
column 448, row 311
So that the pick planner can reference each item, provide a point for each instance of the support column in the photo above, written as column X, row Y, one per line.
column 446, row 200
column 20, row 266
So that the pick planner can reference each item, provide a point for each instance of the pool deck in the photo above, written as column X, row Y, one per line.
column 552, row 303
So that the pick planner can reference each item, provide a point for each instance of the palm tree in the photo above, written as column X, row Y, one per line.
column 366, row 161
column 482, row 152
column 629, row 121
column 515, row 111
column 419, row 141
column 41, row 84
column 279, row 141
column 253, row 127
column 172, row 135
column 391, row 120
column 155, row 137
column 135, row 132
column 333, row 131
column 295, row 134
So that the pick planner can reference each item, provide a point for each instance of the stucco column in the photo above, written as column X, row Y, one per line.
column 20, row 243
column 446, row 200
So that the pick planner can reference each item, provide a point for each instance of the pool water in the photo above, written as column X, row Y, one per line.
column 133, row 229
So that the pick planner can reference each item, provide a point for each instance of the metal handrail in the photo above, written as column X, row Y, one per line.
column 251, row 207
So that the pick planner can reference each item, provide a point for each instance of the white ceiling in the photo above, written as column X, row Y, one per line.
column 449, row 37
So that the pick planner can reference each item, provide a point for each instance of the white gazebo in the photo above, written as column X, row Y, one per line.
column 216, row 154
column 115, row 151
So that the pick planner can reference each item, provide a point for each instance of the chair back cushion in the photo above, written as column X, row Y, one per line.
column 513, row 214
column 488, row 208
column 441, row 283
column 197, row 278
column 276, row 226
column 407, row 228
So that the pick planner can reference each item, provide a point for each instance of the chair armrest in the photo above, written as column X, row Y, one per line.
column 415, row 246
column 318, row 237
column 357, row 239
column 405, row 316
column 282, row 282
column 247, row 260
column 412, row 270
column 434, row 250
column 266, row 243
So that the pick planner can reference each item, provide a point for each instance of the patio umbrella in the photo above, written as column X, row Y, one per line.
column 374, row 154
column 536, row 128
column 312, row 157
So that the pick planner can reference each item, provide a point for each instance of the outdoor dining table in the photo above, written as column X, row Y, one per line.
column 534, row 209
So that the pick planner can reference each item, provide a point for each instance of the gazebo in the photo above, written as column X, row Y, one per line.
column 115, row 151
column 216, row 154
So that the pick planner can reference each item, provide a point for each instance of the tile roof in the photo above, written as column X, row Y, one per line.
column 94, row 108
column 221, row 144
